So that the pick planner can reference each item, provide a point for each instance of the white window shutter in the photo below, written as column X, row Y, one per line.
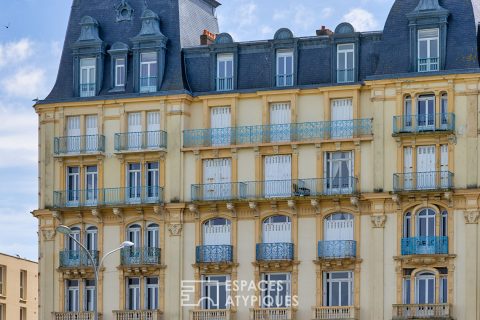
column 342, row 109
column 153, row 121
column 280, row 113
column 134, row 122
column 73, row 126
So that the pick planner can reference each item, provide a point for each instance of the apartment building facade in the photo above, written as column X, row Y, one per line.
column 338, row 173
column 18, row 288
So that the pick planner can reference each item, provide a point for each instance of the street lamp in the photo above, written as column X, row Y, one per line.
column 96, row 267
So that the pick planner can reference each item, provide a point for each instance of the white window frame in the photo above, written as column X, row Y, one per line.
column 225, row 66
column 91, row 185
column 152, row 236
column 91, row 238
column 406, row 287
column 134, row 182
column 89, row 295
column 345, row 184
column 151, row 67
column 3, row 277
column 348, row 75
column 431, row 63
column 152, row 180
column 272, row 288
column 87, row 71
column 424, row 276
column 329, row 281
column 284, row 79
column 213, row 282
column 72, row 306
column 120, row 74
column 73, row 189
column 151, row 293
column 135, row 290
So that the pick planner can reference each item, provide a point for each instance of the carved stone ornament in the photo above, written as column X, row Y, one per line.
column 118, row 212
column 124, row 11
column 471, row 217
column 48, row 234
column 378, row 221
column 175, row 229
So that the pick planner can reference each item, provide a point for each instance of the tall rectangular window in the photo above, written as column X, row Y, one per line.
column 120, row 72
column 284, row 68
column 345, row 63
column 153, row 130
column 73, row 134
column 87, row 77
column 3, row 276
column 148, row 72
column 214, row 292
column 220, row 124
column 2, row 312
column 428, row 50
column 91, row 130
column 23, row 313
column 339, row 172
column 153, row 180
column 443, row 289
column 134, row 139
column 338, row 289
column 225, row 72
column 406, row 290
column 133, row 293
column 276, row 290
column 91, row 185
column 72, row 296
column 89, row 295
column 280, row 122
column 134, row 182
column 342, row 118
column 73, row 185
column 217, row 175
column 151, row 296
column 278, row 176
column 23, row 284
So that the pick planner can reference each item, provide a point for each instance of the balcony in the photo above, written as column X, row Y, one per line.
column 274, row 251
column 85, row 315
column 139, row 256
column 140, row 141
column 138, row 315
column 345, row 75
column 107, row 197
column 340, row 249
column 225, row 84
column 79, row 145
column 77, row 258
column 210, row 315
column 284, row 80
column 293, row 132
column 272, row 314
column 214, row 254
column 421, row 311
column 428, row 64
column 343, row 313
column 423, row 181
column 218, row 191
column 413, row 124
column 87, row 90
column 424, row 245
column 148, row 84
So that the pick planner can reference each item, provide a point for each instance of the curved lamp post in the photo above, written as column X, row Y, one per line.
column 96, row 267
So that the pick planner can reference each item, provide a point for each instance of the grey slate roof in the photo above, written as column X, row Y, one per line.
column 191, row 67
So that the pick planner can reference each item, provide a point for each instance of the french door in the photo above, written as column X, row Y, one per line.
column 342, row 118
column 276, row 290
column 425, row 231
column 338, row 289
column 425, row 289
column 73, row 186
column 280, row 122
column 217, row 175
column 73, row 296
column 152, row 187
column 73, row 134
column 217, row 232
column 91, row 140
column 277, row 229
column 134, row 190
column 278, row 176
column 133, row 291
column 338, row 172
column 408, row 168
column 220, row 124
column 338, row 227
column 426, row 113
column 215, row 292
column 134, row 139
column 444, row 173
column 153, row 130
column 91, row 185
column 426, row 174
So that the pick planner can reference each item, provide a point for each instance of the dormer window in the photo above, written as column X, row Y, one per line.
column 428, row 50
column 345, row 63
column 225, row 72
column 148, row 72
column 87, row 77
column 119, row 72
column 284, row 68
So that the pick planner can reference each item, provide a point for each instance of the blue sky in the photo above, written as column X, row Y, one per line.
column 30, row 50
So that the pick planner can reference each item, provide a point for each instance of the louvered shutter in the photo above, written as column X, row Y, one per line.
column 280, row 122
column 153, row 129
column 134, row 130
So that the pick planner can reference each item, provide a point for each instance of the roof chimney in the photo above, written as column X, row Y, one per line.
column 324, row 32
column 207, row 38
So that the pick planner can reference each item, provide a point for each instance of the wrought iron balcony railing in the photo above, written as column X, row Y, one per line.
column 107, row 197
column 81, row 315
column 87, row 90
column 284, row 80
column 138, row 315
column 148, row 84
column 139, row 256
column 252, row 190
column 293, row 132
column 214, row 254
column 225, row 84
column 135, row 141
column 210, row 315
column 421, row 311
column 442, row 122
column 329, row 313
column 274, row 251
column 424, row 245
column 337, row 249
column 77, row 258
column 79, row 144
column 428, row 64
column 272, row 313
column 421, row 181
column 345, row 75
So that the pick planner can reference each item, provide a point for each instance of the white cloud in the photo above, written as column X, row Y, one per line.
column 361, row 19
column 27, row 82
column 304, row 17
column 246, row 15
column 326, row 13
column 15, row 52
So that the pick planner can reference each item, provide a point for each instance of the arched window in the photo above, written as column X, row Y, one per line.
column 91, row 240
column 338, row 226
column 152, row 236
column 407, row 225
column 425, row 288
column 217, row 232
column 426, row 223
column 133, row 234
column 277, row 229
column 71, row 244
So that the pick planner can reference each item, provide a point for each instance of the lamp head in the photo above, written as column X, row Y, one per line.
column 127, row 244
column 64, row 230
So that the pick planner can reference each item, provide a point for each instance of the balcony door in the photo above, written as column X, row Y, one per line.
column 425, row 231
column 215, row 292
column 444, row 173
column 338, row 289
column 277, row 229
column 73, row 134
column 134, row 235
column 280, row 122
column 73, row 186
column 338, row 172
column 426, row 113
column 133, row 294
column 152, row 184
column 217, row 232
column 92, row 239
column 426, row 175
column 153, row 130
column 217, row 176
column 134, row 139
column 342, row 118
column 73, row 296
column 425, row 288
column 91, row 141
column 134, row 183
column 338, row 227
column 151, row 292
column 91, row 185
column 220, row 124
column 152, row 243
column 278, row 176
column 87, row 77
column 276, row 290
column 408, row 168
column 73, row 247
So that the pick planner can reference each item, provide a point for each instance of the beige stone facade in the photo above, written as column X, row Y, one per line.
column 18, row 288
column 386, row 200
